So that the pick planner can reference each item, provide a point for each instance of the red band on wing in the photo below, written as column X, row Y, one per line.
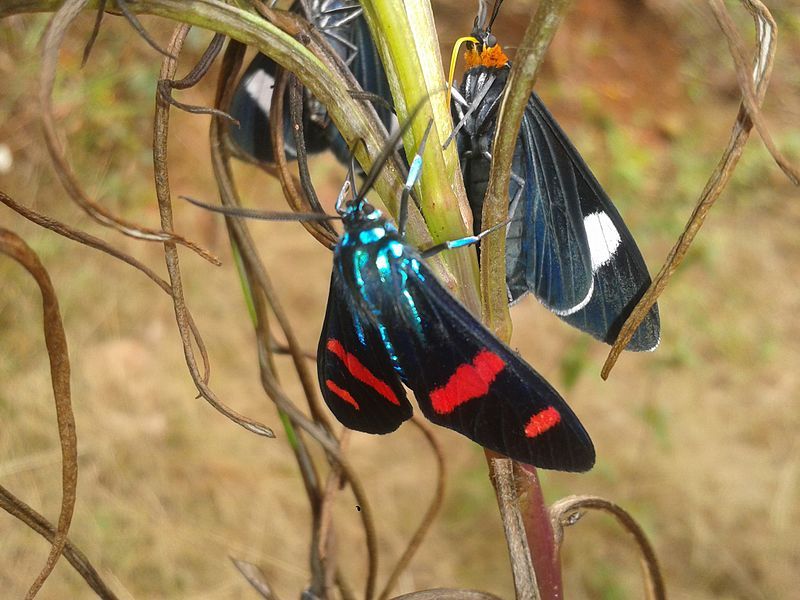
column 542, row 421
column 470, row 381
column 343, row 394
column 360, row 372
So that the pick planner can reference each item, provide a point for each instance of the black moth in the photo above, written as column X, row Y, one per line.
column 389, row 323
column 566, row 243
column 343, row 25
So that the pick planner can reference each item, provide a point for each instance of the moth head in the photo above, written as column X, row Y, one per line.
column 485, row 51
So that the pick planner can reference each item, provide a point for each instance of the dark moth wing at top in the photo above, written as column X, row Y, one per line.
column 566, row 241
column 620, row 275
column 546, row 250
column 347, row 32
column 356, row 376
column 368, row 71
column 251, row 106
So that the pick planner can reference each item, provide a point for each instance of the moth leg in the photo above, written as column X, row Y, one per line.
column 414, row 172
column 512, row 206
column 337, row 18
column 517, row 179
column 347, row 43
column 348, row 185
column 461, row 101
column 471, row 107
column 354, row 12
column 461, row 242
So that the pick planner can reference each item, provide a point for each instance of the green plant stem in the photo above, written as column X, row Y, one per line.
column 406, row 39
column 247, row 292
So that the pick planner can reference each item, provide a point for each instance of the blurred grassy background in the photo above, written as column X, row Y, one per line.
column 698, row 440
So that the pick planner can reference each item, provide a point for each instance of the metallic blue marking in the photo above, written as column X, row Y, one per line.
column 359, row 328
column 382, row 262
column 390, row 262
column 389, row 227
column 389, row 347
column 465, row 241
column 414, row 310
column 415, row 268
column 414, row 171
column 396, row 248
column 371, row 235
column 360, row 259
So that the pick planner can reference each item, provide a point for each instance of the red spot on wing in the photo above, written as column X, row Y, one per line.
column 469, row 381
column 360, row 372
column 542, row 421
column 343, row 394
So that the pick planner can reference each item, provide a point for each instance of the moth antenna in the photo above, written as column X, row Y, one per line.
column 483, row 10
column 351, row 176
column 261, row 215
column 389, row 148
column 495, row 12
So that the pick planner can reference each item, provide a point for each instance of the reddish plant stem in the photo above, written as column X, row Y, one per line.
column 539, row 532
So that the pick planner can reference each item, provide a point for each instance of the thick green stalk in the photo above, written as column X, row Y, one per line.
column 406, row 38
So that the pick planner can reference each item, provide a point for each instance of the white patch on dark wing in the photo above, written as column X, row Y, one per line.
column 259, row 87
column 603, row 238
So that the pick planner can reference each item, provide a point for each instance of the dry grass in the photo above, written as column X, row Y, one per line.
column 697, row 440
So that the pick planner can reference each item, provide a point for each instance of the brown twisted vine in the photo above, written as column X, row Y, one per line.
column 58, row 354
column 98, row 244
column 753, row 87
column 161, row 173
column 567, row 511
column 17, row 508
column 53, row 39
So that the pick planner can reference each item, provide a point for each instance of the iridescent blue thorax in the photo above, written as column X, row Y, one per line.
column 376, row 264
column 364, row 224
